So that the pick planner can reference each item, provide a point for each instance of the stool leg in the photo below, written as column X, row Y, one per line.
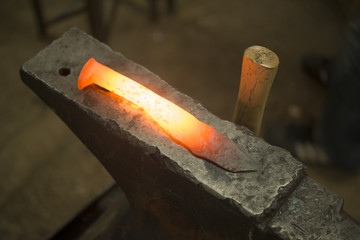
column 96, row 19
column 154, row 14
column 39, row 17
column 171, row 7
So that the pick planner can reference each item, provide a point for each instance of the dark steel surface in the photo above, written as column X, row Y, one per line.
column 314, row 212
column 185, row 197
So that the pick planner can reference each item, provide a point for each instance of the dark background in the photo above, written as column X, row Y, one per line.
column 46, row 175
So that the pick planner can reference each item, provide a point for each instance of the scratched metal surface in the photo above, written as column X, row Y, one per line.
column 314, row 212
column 253, row 193
column 163, row 179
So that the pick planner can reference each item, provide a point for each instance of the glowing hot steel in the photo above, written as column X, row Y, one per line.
column 199, row 138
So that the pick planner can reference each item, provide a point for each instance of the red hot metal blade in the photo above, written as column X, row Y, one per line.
column 199, row 138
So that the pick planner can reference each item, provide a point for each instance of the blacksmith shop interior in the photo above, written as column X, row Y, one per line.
column 54, row 187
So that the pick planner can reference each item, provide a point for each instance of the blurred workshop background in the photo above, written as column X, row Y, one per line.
column 47, row 175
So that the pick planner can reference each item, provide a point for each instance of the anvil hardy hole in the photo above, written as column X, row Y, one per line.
column 64, row 71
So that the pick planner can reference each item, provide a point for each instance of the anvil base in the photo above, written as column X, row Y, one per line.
column 182, row 196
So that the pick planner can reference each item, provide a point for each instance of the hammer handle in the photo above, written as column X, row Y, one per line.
column 258, row 72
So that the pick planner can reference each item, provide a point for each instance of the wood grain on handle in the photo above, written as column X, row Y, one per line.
column 258, row 72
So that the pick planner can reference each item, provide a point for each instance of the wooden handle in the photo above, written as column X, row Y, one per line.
column 258, row 72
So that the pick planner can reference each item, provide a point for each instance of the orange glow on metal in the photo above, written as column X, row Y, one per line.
column 198, row 137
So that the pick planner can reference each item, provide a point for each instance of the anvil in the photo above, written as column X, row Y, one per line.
column 185, row 198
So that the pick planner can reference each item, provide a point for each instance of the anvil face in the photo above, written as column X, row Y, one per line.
column 154, row 171
column 182, row 127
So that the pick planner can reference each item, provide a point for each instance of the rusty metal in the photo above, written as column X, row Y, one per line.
column 183, row 197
